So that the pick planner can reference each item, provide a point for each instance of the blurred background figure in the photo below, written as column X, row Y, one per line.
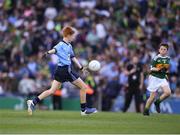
column 135, row 84
column 27, row 86
column 91, row 92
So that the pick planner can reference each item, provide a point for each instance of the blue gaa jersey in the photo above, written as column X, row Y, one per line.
column 64, row 52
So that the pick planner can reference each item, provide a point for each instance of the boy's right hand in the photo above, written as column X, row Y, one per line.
column 44, row 56
column 163, row 70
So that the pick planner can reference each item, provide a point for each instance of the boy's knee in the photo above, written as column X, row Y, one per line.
column 85, row 87
column 168, row 93
column 152, row 98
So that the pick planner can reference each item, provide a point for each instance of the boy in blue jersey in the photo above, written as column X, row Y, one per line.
column 64, row 72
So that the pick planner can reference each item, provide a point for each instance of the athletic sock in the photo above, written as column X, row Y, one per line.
column 83, row 107
column 36, row 100
column 158, row 101
column 146, row 109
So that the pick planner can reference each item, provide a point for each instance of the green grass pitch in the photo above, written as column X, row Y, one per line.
column 62, row 122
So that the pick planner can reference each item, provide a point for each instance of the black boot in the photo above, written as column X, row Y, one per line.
column 157, row 105
column 146, row 112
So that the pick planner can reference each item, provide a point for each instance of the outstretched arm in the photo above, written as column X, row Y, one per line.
column 52, row 51
column 83, row 69
column 75, row 60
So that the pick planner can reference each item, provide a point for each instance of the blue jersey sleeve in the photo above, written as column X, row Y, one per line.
column 56, row 47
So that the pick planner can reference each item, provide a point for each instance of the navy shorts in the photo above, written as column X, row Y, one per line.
column 65, row 74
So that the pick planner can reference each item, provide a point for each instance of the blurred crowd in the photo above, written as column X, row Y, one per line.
column 111, row 31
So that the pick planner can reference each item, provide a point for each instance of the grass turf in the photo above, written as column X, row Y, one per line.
column 71, row 122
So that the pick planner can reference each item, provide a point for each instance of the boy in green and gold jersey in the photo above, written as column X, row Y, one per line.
column 158, row 78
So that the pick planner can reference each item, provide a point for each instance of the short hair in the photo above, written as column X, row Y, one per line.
column 165, row 45
column 68, row 31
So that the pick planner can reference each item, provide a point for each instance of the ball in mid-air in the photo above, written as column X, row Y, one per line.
column 94, row 65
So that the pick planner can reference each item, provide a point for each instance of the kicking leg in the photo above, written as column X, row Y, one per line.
column 55, row 85
column 31, row 103
column 83, row 87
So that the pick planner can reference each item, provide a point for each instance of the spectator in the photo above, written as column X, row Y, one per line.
column 177, row 92
column 135, row 84
column 110, row 93
column 27, row 86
